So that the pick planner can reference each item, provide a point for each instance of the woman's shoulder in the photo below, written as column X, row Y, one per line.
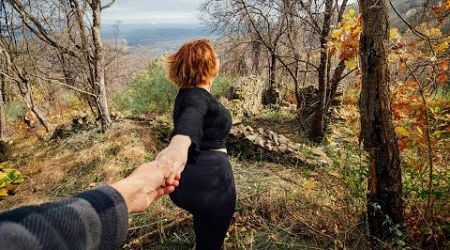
column 193, row 93
column 193, row 96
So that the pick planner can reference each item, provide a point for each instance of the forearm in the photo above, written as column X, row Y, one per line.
column 91, row 220
column 182, row 142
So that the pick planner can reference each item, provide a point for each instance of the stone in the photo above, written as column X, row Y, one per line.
column 251, row 137
column 259, row 141
column 261, row 131
column 282, row 139
column 318, row 151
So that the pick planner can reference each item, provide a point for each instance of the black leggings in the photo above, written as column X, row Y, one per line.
column 208, row 192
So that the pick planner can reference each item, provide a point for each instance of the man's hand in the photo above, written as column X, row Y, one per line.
column 144, row 185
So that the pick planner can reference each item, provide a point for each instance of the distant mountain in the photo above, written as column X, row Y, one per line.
column 159, row 37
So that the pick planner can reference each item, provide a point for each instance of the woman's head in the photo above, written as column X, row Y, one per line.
column 195, row 63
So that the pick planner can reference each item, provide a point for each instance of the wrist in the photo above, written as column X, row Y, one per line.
column 180, row 141
column 127, row 190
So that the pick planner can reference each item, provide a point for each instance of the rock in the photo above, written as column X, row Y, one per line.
column 117, row 116
column 61, row 131
column 283, row 148
column 251, row 137
column 261, row 131
column 79, row 119
column 259, row 141
column 272, row 135
column 282, row 139
column 318, row 151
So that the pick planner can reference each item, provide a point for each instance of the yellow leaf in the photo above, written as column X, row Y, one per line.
column 336, row 34
column 309, row 184
column 3, row 192
column 351, row 12
column 351, row 64
column 442, row 47
column 394, row 34
column 433, row 32
column 402, row 131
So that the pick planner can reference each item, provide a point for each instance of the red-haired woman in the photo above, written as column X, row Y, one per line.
column 197, row 148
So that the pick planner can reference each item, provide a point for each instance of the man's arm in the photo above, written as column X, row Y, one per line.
column 96, row 219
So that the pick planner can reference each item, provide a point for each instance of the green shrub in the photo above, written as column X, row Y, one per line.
column 9, row 179
column 14, row 110
column 150, row 91
column 220, row 86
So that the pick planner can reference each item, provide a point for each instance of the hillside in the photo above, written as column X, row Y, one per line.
column 297, row 207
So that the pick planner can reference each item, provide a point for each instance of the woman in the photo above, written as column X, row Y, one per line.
column 197, row 148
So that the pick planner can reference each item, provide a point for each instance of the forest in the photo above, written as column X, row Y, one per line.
column 341, row 118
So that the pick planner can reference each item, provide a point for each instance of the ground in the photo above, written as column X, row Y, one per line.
column 279, row 206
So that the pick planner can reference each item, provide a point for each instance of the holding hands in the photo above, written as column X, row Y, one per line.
column 157, row 178
column 174, row 156
column 144, row 185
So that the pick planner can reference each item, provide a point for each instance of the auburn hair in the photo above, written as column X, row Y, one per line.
column 193, row 64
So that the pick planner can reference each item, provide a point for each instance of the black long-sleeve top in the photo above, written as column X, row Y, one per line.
column 96, row 219
column 199, row 115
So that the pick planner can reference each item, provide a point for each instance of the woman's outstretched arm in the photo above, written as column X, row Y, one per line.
column 188, row 131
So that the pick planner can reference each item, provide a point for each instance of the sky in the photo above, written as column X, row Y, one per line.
column 152, row 12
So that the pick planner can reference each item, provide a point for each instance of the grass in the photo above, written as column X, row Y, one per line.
column 280, row 206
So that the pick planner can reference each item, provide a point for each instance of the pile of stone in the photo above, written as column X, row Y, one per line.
column 267, row 145
column 80, row 122
column 245, row 97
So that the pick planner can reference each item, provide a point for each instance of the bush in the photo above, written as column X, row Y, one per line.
column 9, row 179
column 220, row 86
column 150, row 91
column 14, row 110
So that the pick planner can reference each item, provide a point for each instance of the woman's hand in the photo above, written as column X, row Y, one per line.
column 144, row 185
column 174, row 156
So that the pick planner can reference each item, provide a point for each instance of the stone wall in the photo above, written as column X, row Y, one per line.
column 262, row 144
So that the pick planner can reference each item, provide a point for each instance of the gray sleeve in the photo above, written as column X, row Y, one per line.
column 96, row 219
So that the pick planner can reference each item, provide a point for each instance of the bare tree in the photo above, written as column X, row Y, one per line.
column 279, row 26
column 76, row 38
column 384, row 197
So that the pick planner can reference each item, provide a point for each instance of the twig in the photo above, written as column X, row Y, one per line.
column 157, row 231
column 428, row 139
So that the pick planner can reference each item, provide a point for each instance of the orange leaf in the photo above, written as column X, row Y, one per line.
column 443, row 65
column 442, row 78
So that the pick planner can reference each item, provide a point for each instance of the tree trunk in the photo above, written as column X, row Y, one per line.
column 334, row 84
column 256, row 46
column 101, row 101
column 273, row 71
column 384, row 197
column 27, row 94
column 270, row 95
column 2, row 109
column 318, row 124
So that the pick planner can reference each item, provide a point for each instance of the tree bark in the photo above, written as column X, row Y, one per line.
column 270, row 95
column 2, row 109
column 102, row 102
column 27, row 94
column 384, row 197
column 256, row 48
column 318, row 124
